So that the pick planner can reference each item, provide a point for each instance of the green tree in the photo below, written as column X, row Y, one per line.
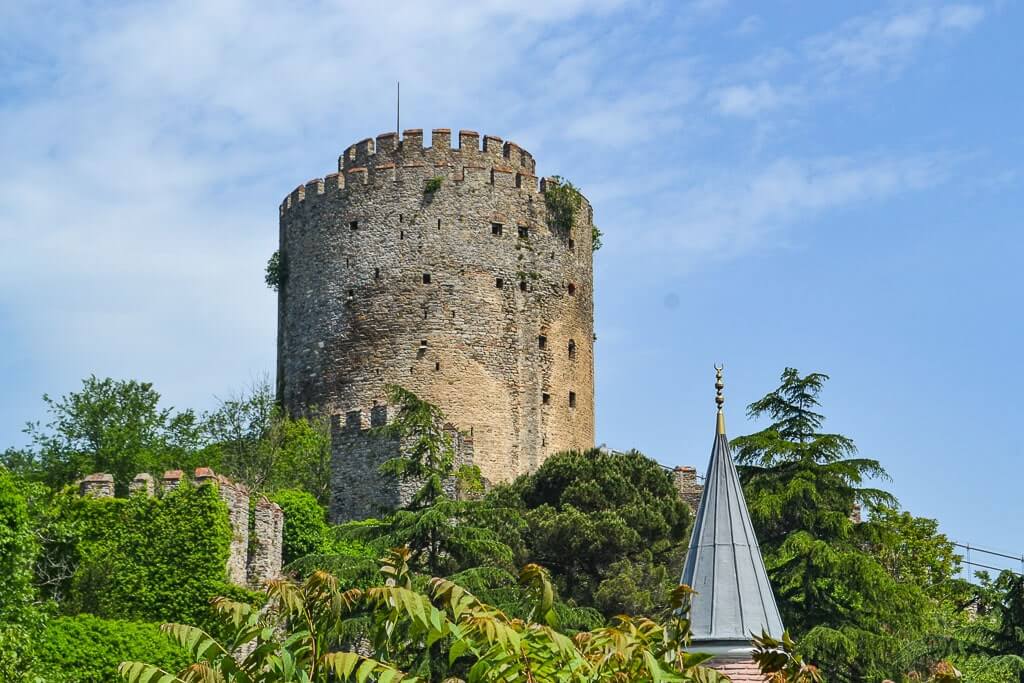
column 912, row 550
column 611, row 527
column 844, row 602
column 115, row 426
column 255, row 443
column 999, row 634
column 427, row 454
column 446, row 537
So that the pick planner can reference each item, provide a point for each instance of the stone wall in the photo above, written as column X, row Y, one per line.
column 689, row 487
column 467, row 296
column 358, row 489
column 245, row 566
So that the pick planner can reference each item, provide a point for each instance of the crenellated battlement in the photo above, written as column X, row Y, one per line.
column 373, row 162
column 245, row 566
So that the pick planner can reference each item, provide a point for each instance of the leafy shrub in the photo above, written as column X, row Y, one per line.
column 18, row 549
column 88, row 649
column 433, row 185
column 305, row 527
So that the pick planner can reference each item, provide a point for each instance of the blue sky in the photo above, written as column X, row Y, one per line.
column 830, row 186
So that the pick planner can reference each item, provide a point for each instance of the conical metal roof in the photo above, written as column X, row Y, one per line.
column 723, row 563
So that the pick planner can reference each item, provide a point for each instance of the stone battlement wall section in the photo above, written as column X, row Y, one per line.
column 358, row 489
column 248, row 565
column 468, row 296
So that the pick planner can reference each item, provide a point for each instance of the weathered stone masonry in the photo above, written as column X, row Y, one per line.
column 358, row 488
column 246, row 566
column 467, row 296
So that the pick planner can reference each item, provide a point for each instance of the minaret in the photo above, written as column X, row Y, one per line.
column 733, row 600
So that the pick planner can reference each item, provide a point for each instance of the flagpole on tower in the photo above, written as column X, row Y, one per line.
column 398, row 108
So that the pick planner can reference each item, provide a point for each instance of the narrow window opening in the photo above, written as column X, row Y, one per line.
column 426, row 278
column 401, row 235
column 401, row 218
column 496, row 229
column 348, row 261
column 438, row 223
column 453, row 315
column 353, row 225
column 499, row 283
column 572, row 399
column 572, row 350
column 437, row 366
column 376, row 273
column 545, row 398
column 351, row 294
column 422, row 350
column 524, row 232
column 542, row 342
column 572, row 244
column 522, row 285
column 572, row 289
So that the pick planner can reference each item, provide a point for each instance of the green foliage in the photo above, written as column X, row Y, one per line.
column 305, row 525
column 564, row 201
column 276, row 273
column 999, row 634
column 912, row 550
column 18, row 550
column 144, row 559
column 778, row 657
column 585, row 513
column 854, row 594
column 426, row 454
column 446, row 537
column 87, row 649
column 114, row 426
column 255, row 443
column 433, row 184
column 405, row 634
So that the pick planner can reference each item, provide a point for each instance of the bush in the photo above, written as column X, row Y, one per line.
column 305, row 526
column 18, row 549
column 88, row 649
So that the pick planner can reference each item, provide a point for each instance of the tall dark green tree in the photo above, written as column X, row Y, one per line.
column 611, row 527
column 847, row 610
column 427, row 454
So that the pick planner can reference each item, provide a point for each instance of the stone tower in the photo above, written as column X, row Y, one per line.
column 439, row 269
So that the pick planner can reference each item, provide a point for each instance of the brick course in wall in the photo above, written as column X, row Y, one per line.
column 446, row 293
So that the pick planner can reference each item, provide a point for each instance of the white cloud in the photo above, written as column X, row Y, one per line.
column 727, row 213
column 750, row 100
column 886, row 41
